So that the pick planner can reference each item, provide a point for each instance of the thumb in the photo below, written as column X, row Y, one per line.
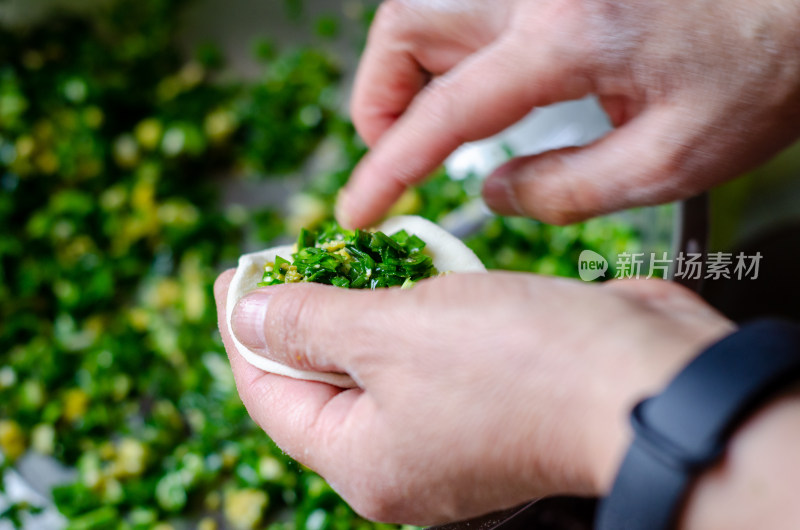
column 316, row 327
column 642, row 163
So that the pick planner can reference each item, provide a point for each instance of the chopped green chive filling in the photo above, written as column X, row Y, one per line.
column 353, row 260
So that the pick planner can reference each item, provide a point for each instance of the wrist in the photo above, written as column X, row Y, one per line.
column 753, row 487
column 641, row 374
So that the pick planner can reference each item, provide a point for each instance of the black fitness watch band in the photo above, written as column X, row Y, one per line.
column 685, row 429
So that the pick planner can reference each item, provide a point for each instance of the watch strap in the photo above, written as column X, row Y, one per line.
column 685, row 429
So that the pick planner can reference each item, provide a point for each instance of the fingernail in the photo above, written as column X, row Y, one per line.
column 342, row 209
column 499, row 193
column 249, row 318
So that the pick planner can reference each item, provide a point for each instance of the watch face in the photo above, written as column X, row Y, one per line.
column 555, row 513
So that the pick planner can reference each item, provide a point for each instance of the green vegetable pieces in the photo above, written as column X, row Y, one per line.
column 353, row 260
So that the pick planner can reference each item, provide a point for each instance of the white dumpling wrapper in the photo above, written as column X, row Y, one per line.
column 449, row 254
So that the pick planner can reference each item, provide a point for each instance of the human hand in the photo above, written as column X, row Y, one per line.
column 477, row 392
column 700, row 91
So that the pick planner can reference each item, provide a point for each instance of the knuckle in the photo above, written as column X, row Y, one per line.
column 440, row 109
column 438, row 100
column 389, row 17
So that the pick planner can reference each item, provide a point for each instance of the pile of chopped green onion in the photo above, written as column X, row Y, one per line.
column 353, row 260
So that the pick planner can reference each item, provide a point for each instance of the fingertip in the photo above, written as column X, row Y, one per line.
column 353, row 213
column 499, row 194
column 370, row 193
column 549, row 187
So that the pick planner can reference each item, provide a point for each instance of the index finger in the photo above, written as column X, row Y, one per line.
column 481, row 96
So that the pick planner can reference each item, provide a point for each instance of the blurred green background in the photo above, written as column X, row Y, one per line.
column 144, row 145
